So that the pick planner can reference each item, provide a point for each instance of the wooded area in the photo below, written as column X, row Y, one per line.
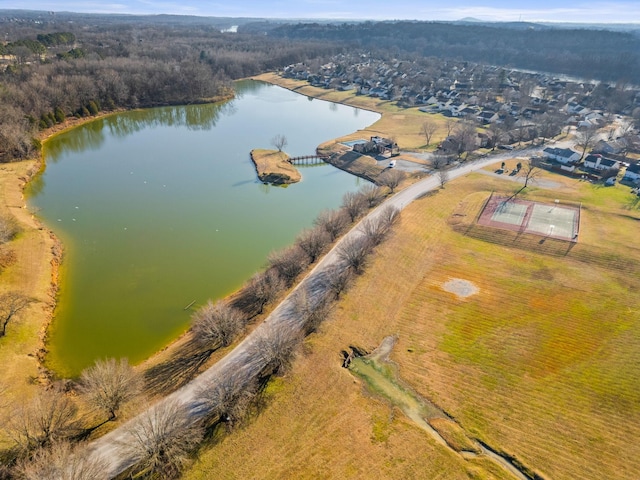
column 587, row 53
column 49, row 76
column 56, row 65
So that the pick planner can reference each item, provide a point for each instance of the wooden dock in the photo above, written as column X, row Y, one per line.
column 308, row 159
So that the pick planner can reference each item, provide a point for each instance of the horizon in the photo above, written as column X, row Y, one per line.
column 543, row 11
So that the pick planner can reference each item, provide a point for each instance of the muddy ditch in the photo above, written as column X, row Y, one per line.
column 381, row 378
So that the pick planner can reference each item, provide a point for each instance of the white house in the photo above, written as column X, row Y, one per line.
column 561, row 155
column 633, row 173
column 598, row 162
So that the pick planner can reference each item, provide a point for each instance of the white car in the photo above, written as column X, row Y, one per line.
column 392, row 164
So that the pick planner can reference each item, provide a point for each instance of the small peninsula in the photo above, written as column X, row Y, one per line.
column 273, row 167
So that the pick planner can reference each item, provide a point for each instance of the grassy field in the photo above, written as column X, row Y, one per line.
column 543, row 363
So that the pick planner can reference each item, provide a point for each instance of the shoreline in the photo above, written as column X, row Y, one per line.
column 56, row 253
column 53, row 253
column 52, row 250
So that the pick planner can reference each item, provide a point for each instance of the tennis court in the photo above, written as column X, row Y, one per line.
column 554, row 220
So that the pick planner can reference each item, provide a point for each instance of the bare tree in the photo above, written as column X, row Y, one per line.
column 450, row 125
column 338, row 278
column 529, row 172
column 335, row 222
column 8, row 229
column 228, row 399
column 279, row 141
column 389, row 216
column 161, row 440
column 275, row 350
column 586, row 138
column 47, row 418
column 354, row 204
column 262, row 289
column 108, row 385
column 443, row 176
column 354, row 252
column 11, row 304
column 466, row 136
column 428, row 129
column 313, row 242
column 373, row 194
column 289, row 263
column 498, row 134
column 311, row 309
column 217, row 324
column 374, row 230
column 439, row 160
column 62, row 461
column 391, row 179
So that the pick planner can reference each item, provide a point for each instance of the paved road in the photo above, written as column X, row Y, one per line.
column 241, row 360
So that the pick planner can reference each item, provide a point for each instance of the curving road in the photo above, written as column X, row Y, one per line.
column 241, row 360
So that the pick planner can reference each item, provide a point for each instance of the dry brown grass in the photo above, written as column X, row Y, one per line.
column 543, row 363
column 273, row 166
column 30, row 272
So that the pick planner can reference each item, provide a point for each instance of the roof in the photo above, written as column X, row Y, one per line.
column 560, row 152
column 634, row 168
column 607, row 162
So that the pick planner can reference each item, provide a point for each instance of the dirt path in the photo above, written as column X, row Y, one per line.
column 240, row 359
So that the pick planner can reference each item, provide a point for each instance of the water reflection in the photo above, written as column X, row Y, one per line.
column 91, row 136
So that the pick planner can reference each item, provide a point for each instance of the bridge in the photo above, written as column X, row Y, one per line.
column 308, row 159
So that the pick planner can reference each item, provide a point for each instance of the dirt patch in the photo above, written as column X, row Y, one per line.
column 461, row 288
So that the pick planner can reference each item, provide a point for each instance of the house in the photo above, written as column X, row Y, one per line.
column 377, row 146
column 561, row 155
column 598, row 162
column 611, row 147
column 632, row 174
column 487, row 116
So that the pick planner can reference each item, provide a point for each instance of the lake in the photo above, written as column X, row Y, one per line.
column 161, row 207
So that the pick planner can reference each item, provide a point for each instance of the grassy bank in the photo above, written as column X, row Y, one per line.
column 32, row 271
column 542, row 363
column 273, row 166
column 402, row 124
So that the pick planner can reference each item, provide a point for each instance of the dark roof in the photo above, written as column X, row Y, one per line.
column 607, row 162
column 634, row 168
column 559, row 152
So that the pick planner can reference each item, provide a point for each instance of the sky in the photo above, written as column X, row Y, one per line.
column 578, row 11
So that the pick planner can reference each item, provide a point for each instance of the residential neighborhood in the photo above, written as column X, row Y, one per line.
column 507, row 107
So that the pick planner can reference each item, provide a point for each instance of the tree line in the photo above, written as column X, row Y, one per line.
column 112, row 67
column 587, row 53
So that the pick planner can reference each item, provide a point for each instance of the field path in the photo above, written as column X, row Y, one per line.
column 241, row 360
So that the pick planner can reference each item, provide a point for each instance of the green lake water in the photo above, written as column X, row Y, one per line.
column 161, row 207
